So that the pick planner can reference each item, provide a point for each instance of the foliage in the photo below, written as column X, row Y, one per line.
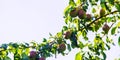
column 81, row 17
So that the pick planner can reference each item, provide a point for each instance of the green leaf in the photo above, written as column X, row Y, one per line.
column 93, row 10
column 7, row 58
column 118, row 7
column 113, row 30
column 25, row 57
column 81, row 45
column 66, row 11
column 111, row 1
column 78, row 56
column 104, row 55
column 118, row 25
column 78, row 2
column 64, row 28
column 119, row 41
column 69, row 48
column 108, row 46
column 4, row 46
column 72, row 3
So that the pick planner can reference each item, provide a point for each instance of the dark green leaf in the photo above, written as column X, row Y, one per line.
column 44, row 39
column 104, row 55
column 64, row 28
column 118, row 7
column 119, row 41
column 111, row 1
column 6, row 58
column 108, row 46
column 113, row 30
column 69, row 48
column 4, row 46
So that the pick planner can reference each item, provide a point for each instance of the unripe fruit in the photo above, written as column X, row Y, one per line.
column 33, row 53
column 102, row 12
column 42, row 58
column 67, row 34
column 74, row 12
column 62, row 47
column 81, row 14
column 88, row 16
column 106, row 28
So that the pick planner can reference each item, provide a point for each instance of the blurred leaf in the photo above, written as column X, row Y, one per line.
column 69, row 48
column 93, row 10
column 44, row 40
column 59, row 34
column 66, row 11
column 64, row 28
column 104, row 55
column 6, row 58
column 113, row 30
column 79, row 33
column 102, row 1
column 50, row 34
column 118, row 25
column 78, row 2
column 72, row 3
column 111, row 1
column 4, row 46
column 109, row 19
column 118, row 7
column 78, row 56
column 73, row 40
column 108, row 46
column 68, row 19
column 27, row 50
column 81, row 45
column 76, row 21
column 19, row 51
column 24, row 56
column 119, row 41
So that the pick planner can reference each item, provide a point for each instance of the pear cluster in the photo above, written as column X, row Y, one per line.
column 80, row 13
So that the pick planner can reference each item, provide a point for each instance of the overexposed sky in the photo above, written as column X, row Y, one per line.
column 27, row 20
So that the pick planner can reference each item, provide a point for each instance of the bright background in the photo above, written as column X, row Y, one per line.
column 27, row 20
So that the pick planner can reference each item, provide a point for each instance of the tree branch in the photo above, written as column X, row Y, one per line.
column 101, row 17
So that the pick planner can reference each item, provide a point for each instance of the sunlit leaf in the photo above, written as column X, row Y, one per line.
column 66, row 11
column 78, row 56
column 78, row 2
column 72, row 3
column 118, row 24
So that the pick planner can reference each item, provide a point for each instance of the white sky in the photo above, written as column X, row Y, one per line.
column 27, row 20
